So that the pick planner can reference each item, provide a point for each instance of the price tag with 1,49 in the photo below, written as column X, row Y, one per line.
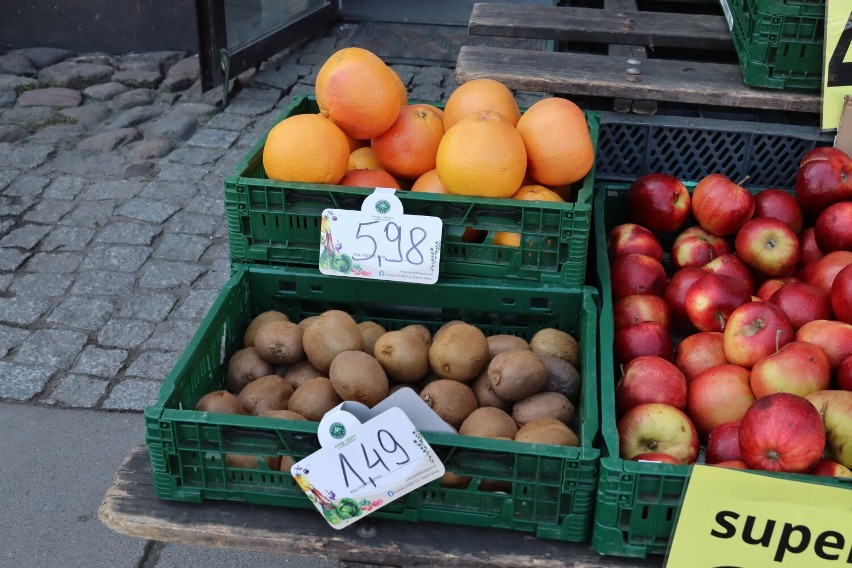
column 380, row 242
column 363, row 467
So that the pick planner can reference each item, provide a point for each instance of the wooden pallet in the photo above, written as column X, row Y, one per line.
column 617, row 57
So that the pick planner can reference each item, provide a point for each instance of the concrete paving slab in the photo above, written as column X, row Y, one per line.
column 174, row 556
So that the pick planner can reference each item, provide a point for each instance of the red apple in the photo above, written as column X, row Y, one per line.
column 718, row 395
column 833, row 337
column 650, row 379
column 782, row 432
column 754, row 331
column 698, row 352
column 833, row 227
column 630, row 238
column 769, row 287
column 646, row 338
column 675, row 296
column 835, row 409
column 779, row 204
column 656, row 427
column 841, row 295
column 696, row 247
column 802, row 303
column 720, row 206
column 733, row 464
column 711, row 299
column 636, row 308
column 723, row 443
column 808, row 250
column 844, row 375
column 657, row 457
column 731, row 265
column 637, row 274
column 659, row 202
column 830, row 468
column 798, row 368
column 822, row 272
column 769, row 246
column 824, row 177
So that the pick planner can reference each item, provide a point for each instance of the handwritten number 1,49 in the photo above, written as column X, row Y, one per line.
column 840, row 73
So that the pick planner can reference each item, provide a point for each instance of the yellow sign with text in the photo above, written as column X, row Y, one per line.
column 837, row 63
column 735, row 519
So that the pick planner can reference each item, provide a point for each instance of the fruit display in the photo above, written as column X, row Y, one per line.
column 498, row 386
column 731, row 321
column 479, row 143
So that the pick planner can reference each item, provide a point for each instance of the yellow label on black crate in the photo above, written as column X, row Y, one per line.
column 737, row 519
column 837, row 62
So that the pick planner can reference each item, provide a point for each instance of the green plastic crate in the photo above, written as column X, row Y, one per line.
column 779, row 43
column 278, row 223
column 637, row 502
column 552, row 487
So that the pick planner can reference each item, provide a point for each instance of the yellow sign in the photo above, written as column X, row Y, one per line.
column 735, row 519
column 837, row 63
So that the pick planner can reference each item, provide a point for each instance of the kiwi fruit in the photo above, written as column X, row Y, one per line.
column 258, row 321
column 399, row 386
column 447, row 325
column 244, row 366
column 543, row 405
column 284, row 414
column 304, row 323
column 403, row 355
column 562, row 377
column 420, row 331
column 220, row 401
column 455, row 481
column 488, row 422
column 547, row 431
column 357, row 376
column 285, row 464
column 501, row 343
column 370, row 332
column 280, row 342
column 248, row 461
column 515, row 375
column 332, row 333
column 314, row 398
column 556, row 343
column 301, row 372
column 451, row 400
column 486, row 396
column 459, row 352
column 269, row 392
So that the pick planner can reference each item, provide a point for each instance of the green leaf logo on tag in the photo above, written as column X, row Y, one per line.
column 337, row 430
column 382, row 206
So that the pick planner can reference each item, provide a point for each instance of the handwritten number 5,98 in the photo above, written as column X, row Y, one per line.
column 393, row 235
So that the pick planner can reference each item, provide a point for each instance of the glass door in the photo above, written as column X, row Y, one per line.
column 235, row 35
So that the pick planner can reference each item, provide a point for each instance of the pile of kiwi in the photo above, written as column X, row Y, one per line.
column 498, row 386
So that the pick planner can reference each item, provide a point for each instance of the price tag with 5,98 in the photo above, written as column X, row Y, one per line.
column 380, row 242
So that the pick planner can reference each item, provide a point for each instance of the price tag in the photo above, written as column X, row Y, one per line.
column 742, row 519
column 837, row 62
column 380, row 242
column 363, row 467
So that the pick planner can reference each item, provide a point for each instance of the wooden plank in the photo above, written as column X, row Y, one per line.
column 629, row 52
column 604, row 76
column 131, row 507
column 593, row 25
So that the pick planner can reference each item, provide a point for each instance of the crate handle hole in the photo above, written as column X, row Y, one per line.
column 316, row 288
column 508, row 301
column 541, row 303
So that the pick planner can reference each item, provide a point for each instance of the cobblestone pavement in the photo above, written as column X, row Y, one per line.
column 113, row 241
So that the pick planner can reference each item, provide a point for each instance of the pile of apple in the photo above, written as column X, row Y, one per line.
column 742, row 341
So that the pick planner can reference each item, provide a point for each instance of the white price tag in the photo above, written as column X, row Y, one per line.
column 380, row 242
column 363, row 467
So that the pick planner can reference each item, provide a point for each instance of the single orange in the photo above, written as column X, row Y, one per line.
column 506, row 239
column 559, row 145
column 363, row 159
column 408, row 148
column 369, row 178
column 429, row 183
column 358, row 92
column 482, row 155
column 535, row 192
column 305, row 148
column 478, row 95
